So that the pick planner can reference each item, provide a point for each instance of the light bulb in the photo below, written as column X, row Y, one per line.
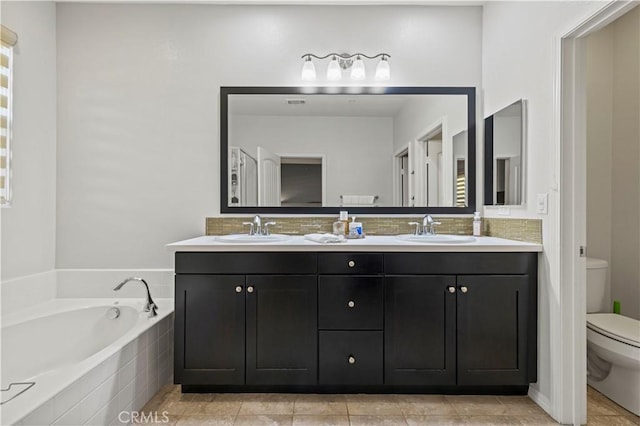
column 357, row 69
column 308, row 70
column 333, row 70
column 383, row 72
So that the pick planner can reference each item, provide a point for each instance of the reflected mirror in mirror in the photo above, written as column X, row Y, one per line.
column 313, row 151
column 505, row 133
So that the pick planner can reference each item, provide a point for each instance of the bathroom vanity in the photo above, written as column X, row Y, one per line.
column 374, row 315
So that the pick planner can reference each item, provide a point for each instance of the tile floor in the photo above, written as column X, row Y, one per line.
column 356, row 410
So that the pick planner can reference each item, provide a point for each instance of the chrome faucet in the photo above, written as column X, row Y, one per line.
column 257, row 225
column 429, row 225
column 150, row 305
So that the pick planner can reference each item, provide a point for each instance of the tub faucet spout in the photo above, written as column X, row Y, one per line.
column 150, row 305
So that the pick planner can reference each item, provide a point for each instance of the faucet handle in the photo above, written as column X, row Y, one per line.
column 432, row 227
column 152, row 309
column 265, row 227
column 417, row 225
column 251, row 227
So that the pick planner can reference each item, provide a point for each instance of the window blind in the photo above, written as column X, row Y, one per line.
column 461, row 184
column 7, row 40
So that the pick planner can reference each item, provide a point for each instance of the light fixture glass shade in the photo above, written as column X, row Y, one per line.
column 357, row 69
column 333, row 70
column 308, row 70
column 383, row 71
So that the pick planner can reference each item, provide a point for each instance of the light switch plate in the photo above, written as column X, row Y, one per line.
column 542, row 204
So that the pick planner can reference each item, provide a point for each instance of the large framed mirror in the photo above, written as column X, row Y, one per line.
column 504, row 155
column 364, row 149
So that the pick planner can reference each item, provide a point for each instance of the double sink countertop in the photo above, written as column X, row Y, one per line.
column 372, row 243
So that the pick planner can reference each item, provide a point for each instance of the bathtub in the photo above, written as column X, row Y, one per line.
column 90, row 360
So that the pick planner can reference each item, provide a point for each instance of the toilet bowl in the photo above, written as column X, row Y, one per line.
column 613, row 358
column 613, row 344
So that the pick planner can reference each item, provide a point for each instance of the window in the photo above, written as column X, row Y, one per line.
column 7, row 40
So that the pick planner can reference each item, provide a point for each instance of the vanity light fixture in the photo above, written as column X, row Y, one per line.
column 345, row 61
column 308, row 70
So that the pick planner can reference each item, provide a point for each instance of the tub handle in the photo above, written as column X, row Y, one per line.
column 113, row 313
column 29, row 385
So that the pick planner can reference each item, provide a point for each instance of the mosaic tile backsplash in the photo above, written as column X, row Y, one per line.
column 528, row 230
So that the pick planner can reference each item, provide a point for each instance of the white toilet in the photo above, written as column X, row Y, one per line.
column 613, row 344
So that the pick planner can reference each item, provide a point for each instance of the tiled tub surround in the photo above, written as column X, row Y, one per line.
column 122, row 376
column 528, row 230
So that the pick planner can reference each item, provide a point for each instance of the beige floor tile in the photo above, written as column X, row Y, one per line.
column 537, row 420
column 266, row 420
column 520, row 406
column 319, row 405
column 425, row 405
column 252, row 408
column 159, row 419
column 491, row 420
column 612, row 421
column 305, row 420
column 377, row 420
column 218, row 408
column 178, row 408
column 477, row 405
column 373, row 405
column 602, row 406
column 234, row 397
column 434, row 420
column 206, row 420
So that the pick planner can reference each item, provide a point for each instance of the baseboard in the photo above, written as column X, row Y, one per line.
column 23, row 292
column 540, row 399
column 89, row 283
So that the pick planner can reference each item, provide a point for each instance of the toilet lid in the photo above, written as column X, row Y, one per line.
column 618, row 327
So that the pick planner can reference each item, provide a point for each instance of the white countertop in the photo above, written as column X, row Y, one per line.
column 386, row 243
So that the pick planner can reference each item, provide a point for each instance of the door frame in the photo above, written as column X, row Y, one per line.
column 397, row 180
column 323, row 163
column 568, row 394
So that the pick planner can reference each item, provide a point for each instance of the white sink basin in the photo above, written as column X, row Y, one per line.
column 252, row 239
column 437, row 239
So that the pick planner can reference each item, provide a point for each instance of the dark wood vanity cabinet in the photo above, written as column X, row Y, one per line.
column 254, row 329
column 356, row 321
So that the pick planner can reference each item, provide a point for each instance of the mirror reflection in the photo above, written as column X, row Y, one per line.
column 504, row 148
column 346, row 150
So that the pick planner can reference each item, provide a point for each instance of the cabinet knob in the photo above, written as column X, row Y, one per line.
column 250, row 289
column 351, row 303
column 238, row 289
column 351, row 359
column 451, row 289
column 351, row 264
column 464, row 289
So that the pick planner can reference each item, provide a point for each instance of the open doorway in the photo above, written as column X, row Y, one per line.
column 573, row 134
column 302, row 180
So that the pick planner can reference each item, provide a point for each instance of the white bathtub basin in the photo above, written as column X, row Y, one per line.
column 437, row 239
column 252, row 239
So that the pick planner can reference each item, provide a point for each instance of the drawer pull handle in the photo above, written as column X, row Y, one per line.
column 351, row 359
column 250, row 289
column 452, row 289
column 238, row 289
column 351, row 304
column 464, row 289
column 351, row 264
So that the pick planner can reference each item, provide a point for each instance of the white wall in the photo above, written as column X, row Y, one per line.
column 625, row 167
column 29, row 226
column 359, row 150
column 138, row 96
column 518, row 62
column 613, row 146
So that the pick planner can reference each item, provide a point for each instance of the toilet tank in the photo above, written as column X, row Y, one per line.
column 596, row 285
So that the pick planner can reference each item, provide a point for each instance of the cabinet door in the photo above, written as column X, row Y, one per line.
column 209, row 329
column 282, row 330
column 492, row 329
column 420, row 342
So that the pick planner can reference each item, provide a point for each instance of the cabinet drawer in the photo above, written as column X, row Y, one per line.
column 459, row 263
column 350, row 303
column 282, row 263
column 350, row 263
column 350, row 357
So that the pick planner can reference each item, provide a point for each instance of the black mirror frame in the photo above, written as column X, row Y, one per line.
column 469, row 92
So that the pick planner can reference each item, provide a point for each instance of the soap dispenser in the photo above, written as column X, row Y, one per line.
column 477, row 224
